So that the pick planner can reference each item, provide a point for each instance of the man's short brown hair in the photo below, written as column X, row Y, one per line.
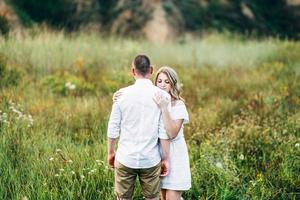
column 142, row 64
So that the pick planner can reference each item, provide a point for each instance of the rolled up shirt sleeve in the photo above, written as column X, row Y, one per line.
column 114, row 123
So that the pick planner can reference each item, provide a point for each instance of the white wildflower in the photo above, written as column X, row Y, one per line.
column 253, row 183
column 219, row 165
column 58, row 150
column 100, row 162
column 24, row 198
column 70, row 86
column 297, row 145
column 241, row 157
column 92, row 171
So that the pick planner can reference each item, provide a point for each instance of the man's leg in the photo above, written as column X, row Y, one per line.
column 150, row 182
column 124, row 181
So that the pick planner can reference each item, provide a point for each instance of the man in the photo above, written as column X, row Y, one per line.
column 137, row 122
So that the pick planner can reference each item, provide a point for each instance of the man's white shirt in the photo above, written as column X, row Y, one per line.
column 137, row 121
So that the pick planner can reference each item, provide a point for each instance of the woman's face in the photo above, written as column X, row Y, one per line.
column 163, row 82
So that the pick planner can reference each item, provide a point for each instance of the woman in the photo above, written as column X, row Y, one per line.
column 179, row 177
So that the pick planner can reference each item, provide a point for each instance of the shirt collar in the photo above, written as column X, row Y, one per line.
column 143, row 81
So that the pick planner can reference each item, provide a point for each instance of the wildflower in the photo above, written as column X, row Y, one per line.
column 70, row 86
column 259, row 177
column 61, row 170
column 241, row 157
column 70, row 161
column 72, row 172
column 51, row 159
column 56, row 175
column 219, row 165
column 82, row 177
column 297, row 145
column 253, row 183
column 92, row 171
column 100, row 162
column 58, row 150
column 30, row 119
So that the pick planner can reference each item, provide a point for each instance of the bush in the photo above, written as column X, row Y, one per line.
column 269, row 17
column 4, row 26
column 54, row 12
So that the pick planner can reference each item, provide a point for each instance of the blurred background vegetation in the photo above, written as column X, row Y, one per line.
column 278, row 18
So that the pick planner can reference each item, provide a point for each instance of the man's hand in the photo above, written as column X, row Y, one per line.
column 116, row 96
column 111, row 160
column 165, row 168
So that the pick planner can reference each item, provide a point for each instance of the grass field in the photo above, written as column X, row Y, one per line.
column 243, row 97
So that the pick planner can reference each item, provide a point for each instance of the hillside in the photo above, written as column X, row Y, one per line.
column 157, row 20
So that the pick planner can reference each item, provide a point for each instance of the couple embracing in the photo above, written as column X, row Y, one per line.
column 147, row 120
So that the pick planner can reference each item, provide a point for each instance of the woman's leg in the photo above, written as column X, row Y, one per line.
column 163, row 194
column 173, row 195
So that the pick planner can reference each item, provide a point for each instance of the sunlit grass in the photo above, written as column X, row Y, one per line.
column 242, row 95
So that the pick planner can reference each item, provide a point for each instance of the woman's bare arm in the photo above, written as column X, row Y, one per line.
column 172, row 126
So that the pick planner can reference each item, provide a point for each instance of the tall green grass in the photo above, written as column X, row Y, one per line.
column 242, row 95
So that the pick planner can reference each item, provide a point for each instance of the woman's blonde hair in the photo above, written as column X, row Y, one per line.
column 173, row 78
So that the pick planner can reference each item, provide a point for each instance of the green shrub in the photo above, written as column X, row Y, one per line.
column 4, row 26
column 269, row 17
column 55, row 12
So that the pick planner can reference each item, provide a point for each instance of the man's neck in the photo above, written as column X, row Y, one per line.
column 142, row 77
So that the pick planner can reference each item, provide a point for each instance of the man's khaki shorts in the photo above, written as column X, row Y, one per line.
column 125, row 178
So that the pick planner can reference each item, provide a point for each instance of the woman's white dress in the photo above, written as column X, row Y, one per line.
column 179, row 177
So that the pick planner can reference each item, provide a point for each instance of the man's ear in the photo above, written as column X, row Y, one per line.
column 151, row 70
column 133, row 73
